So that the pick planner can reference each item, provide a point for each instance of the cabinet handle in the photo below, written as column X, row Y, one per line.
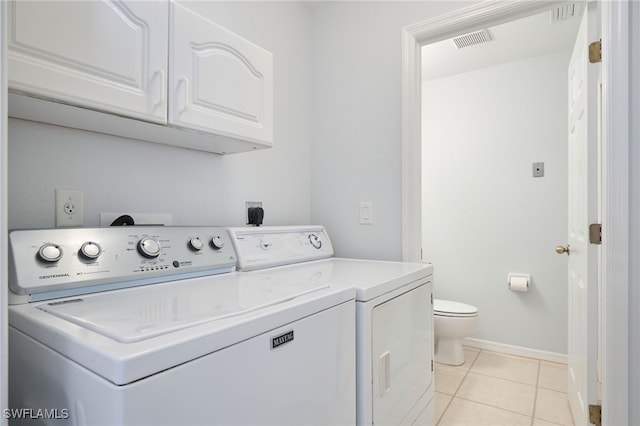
column 183, row 81
column 159, row 74
column 384, row 372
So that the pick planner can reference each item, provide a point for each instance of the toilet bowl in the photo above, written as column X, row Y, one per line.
column 453, row 321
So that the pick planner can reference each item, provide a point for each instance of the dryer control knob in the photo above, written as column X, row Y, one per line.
column 315, row 241
column 217, row 243
column 196, row 244
column 50, row 252
column 149, row 247
column 90, row 250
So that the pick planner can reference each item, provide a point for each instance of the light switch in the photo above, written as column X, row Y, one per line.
column 366, row 213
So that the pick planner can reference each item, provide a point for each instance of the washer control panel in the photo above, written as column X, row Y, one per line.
column 267, row 246
column 48, row 263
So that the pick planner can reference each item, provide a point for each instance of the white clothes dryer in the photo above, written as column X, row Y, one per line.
column 394, row 316
column 153, row 326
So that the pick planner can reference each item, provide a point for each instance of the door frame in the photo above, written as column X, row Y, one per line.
column 615, row 168
column 4, row 286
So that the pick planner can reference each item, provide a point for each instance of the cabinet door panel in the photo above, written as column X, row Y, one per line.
column 219, row 82
column 104, row 55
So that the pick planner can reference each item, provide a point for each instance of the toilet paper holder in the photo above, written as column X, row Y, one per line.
column 518, row 282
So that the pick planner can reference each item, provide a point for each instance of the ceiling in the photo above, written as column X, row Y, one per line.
column 524, row 38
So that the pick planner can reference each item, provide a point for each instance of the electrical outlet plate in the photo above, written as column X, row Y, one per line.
column 253, row 204
column 69, row 207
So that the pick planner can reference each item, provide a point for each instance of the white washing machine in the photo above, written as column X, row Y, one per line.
column 152, row 326
column 394, row 316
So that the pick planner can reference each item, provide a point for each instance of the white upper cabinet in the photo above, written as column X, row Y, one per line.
column 218, row 79
column 150, row 70
column 105, row 55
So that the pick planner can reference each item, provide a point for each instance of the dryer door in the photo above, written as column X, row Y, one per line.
column 402, row 347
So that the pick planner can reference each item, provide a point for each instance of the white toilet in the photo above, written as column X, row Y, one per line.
column 453, row 321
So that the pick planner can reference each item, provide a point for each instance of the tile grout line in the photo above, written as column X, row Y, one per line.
column 498, row 408
column 535, row 397
column 505, row 379
column 536, row 387
column 459, row 386
column 499, row 378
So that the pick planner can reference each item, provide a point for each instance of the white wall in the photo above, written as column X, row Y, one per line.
column 484, row 215
column 357, row 134
column 118, row 174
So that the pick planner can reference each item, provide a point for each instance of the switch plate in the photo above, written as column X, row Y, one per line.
column 366, row 213
column 538, row 169
column 69, row 207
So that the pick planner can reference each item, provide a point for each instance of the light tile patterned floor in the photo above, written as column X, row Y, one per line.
column 493, row 388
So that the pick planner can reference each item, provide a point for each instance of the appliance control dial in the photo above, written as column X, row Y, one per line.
column 265, row 245
column 196, row 244
column 217, row 242
column 149, row 247
column 90, row 250
column 315, row 241
column 50, row 252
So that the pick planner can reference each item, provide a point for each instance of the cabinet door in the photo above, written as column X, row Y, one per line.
column 104, row 55
column 219, row 82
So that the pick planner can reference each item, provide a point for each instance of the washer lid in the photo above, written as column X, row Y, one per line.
column 139, row 314
column 171, row 323
column 451, row 307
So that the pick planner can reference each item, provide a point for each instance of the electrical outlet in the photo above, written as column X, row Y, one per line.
column 69, row 207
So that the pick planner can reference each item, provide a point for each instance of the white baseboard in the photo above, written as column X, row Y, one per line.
column 516, row 350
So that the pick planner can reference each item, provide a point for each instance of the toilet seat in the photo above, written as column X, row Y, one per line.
column 449, row 308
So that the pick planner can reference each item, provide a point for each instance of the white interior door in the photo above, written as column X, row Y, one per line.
column 583, row 210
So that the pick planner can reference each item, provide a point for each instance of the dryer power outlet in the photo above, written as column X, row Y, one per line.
column 69, row 207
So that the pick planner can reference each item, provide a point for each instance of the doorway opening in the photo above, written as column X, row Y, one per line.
column 494, row 174
column 616, row 145
column 472, row 19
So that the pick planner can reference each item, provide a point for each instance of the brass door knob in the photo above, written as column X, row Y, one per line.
column 563, row 250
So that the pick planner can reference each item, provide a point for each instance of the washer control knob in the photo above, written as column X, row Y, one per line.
column 196, row 244
column 217, row 242
column 50, row 252
column 265, row 245
column 90, row 250
column 149, row 247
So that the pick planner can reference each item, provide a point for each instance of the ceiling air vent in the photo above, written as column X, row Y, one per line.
column 471, row 39
column 565, row 12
